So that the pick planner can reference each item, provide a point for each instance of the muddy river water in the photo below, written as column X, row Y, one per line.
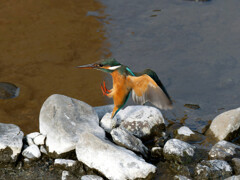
column 194, row 47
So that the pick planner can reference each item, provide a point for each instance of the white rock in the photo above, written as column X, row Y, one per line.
column 32, row 152
column 10, row 137
column 108, row 123
column 65, row 175
column 62, row 119
column 139, row 120
column 112, row 161
column 225, row 123
column 178, row 150
column 39, row 140
column 184, row 130
column 32, row 135
column 91, row 177
column 65, row 162
column 102, row 110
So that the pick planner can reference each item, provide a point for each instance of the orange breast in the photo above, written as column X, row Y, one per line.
column 121, row 88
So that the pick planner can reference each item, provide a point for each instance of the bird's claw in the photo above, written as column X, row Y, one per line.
column 105, row 91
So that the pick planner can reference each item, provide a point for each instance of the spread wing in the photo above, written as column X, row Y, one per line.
column 154, row 76
column 145, row 89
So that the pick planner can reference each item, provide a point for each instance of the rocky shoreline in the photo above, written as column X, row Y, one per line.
column 77, row 141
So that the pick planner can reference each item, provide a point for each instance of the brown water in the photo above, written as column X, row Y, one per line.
column 41, row 42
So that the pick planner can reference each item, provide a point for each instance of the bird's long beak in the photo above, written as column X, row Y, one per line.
column 87, row 66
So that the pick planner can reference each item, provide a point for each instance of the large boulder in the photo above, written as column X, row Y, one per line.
column 224, row 150
column 63, row 119
column 11, row 142
column 213, row 169
column 142, row 121
column 226, row 125
column 112, row 161
column 179, row 151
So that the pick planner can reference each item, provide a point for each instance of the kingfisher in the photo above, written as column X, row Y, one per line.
column 145, row 86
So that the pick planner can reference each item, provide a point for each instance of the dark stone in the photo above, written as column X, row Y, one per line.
column 8, row 90
column 213, row 169
column 192, row 106
column 236, row 165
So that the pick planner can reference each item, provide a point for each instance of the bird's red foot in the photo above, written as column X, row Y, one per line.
column 105, row 91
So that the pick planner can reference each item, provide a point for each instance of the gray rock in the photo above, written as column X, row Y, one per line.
column 236, row 165
column 30, row 141
column 123, row 138
column 179, row 151
column 8, row 90
column 213, row 169
column 108, row 123
column 66, row 164
column 180, row 177
column 91, row 177
column 226, row 125
column 63, row 119
column 32, row 152
column 233, row 178
column 11, row 142
column 43, row 150
column 224, row 150
column 112, row 161
column 39, row 140
column 142, row 121
column 102, row 110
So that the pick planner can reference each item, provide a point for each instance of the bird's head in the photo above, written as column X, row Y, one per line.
column 107, row 65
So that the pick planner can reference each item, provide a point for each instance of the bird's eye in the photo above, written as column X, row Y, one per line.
column 100, row 65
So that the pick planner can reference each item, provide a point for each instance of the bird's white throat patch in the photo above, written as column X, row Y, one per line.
column 114, row 67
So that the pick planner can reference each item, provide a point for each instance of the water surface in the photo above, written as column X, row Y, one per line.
column 192, row 46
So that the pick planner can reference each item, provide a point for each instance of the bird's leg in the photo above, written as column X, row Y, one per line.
column 106, row 90
column 103, row 90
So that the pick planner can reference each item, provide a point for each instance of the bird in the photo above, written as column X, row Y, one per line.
column 145, row 86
